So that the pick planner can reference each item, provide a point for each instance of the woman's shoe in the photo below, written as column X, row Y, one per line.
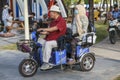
column 71, row 61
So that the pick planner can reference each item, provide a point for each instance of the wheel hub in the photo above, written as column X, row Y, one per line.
column 27, row 68
column 88, row 62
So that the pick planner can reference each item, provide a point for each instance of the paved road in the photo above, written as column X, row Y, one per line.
column 105, row 69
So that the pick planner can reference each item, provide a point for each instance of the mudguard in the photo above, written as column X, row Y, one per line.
column 111, row 29
column 91, row 53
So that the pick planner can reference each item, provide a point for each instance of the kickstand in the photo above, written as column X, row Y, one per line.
column 61, row 65
column 71, row 67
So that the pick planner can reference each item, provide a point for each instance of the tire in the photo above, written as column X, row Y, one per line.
column 112, row 37
column 87, row 63
column 118, row 33
column 28, row 67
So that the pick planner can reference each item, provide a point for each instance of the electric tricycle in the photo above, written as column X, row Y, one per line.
column 59, row 56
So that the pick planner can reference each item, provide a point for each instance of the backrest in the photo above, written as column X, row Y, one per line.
column 68, row 35
column 61, row 43
column 89, row 39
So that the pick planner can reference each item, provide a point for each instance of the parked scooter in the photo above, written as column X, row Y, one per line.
column 28, row 67
column 114, row 30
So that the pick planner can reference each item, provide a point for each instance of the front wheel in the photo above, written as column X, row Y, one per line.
column 87, row 62
column 112, row 37
column 28, row 67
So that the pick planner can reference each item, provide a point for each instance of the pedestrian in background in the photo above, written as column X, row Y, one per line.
column 5, row 15
column 10, row 21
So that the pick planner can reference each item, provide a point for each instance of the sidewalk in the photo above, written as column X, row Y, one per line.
column 107, row 50
column 11, row 40
column 106, row 53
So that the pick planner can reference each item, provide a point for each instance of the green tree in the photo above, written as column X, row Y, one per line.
column 68, row 2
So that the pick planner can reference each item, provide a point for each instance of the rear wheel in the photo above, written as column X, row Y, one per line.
column 28, row 67
column 87, row 62
column 118, row 32
column 112, row 37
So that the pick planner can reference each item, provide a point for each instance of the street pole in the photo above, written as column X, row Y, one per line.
column 26, row 20
column 112, row 2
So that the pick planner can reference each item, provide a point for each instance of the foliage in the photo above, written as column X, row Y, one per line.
column 97, row 1
column 9, row 47
column 102, row 32
column 118, row 78
column 69, row 2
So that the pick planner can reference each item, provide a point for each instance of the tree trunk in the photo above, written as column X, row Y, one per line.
column 110, row 2
column 91, row 11
column 106, row 2
column 91, row 14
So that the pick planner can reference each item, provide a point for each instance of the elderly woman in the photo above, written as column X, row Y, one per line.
column 80, row 25
column 81, row 20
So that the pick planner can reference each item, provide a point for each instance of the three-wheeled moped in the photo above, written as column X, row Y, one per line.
column 59, row 56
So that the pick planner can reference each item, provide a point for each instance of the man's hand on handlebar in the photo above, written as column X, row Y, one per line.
column 42, row 31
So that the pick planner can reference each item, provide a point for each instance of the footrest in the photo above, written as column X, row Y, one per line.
column 55, row 49
column 24, row 45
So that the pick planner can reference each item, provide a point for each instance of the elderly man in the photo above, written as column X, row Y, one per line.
column 56, row 29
